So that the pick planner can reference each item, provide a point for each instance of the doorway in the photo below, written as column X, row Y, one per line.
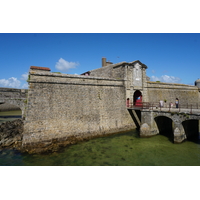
column 137, row 98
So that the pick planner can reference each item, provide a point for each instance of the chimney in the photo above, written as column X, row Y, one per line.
column 103, row 62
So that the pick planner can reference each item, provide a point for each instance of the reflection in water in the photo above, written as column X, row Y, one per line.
column 124, row 149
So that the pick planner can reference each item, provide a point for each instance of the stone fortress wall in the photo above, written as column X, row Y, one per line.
column 168, row 91
column 70, row 108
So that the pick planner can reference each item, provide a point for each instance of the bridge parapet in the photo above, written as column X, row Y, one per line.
column 192, row 108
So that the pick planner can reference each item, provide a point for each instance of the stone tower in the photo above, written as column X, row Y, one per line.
column 197, row 83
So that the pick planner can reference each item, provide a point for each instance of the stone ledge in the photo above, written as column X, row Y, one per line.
column 171, row 84
column 72, row 76
column 71, row 83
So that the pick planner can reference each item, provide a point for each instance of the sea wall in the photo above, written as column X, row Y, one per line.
column 64, row 109
column 169, row 91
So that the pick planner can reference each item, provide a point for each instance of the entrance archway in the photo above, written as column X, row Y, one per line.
column 137, row 98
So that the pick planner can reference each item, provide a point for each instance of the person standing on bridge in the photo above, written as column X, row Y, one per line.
column 161, row 103
column 177, row 102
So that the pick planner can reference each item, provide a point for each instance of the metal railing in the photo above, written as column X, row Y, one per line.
column 166, row 107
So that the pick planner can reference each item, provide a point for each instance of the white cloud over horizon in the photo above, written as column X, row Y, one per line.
column 166, row 79
column 64, row 65
column 13, row 82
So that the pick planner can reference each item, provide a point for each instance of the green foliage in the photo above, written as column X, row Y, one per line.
column 174, row 113
column 28, row 78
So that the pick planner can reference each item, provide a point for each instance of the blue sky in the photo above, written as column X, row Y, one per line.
column 170, row 57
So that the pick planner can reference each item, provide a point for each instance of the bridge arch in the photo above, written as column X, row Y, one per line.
column 19, row 103
column 165, row 126
column 178, row 125
column 11, row 105
column 17, row 97
column 6, row 106
column 15, row 102
column 191, row 128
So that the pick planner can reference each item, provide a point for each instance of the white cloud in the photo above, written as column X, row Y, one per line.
column 166, row 79
column 64, row 65
column 11, row 82
column 24, row 76
column 25, row 86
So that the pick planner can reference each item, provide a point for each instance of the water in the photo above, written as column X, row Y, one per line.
column 124, row 149
column 10, row 115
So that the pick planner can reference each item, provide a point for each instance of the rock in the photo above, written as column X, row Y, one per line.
column 8, row 142
column 11, row 133
column 144, row 130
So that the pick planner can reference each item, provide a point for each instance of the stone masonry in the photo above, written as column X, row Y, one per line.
column 180, row 122
column 11, row 99
column 69, row 108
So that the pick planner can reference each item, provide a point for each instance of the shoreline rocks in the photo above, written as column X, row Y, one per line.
column 11, row 137
column 11, row 134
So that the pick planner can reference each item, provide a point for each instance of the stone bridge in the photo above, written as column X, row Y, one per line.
column 17, row 97
column 175, row 123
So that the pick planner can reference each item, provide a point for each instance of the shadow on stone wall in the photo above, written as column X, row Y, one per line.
column 165, row 128
column 136, row 116
column 191, row 128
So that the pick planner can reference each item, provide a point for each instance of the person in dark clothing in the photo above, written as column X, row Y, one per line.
column 177, row 102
